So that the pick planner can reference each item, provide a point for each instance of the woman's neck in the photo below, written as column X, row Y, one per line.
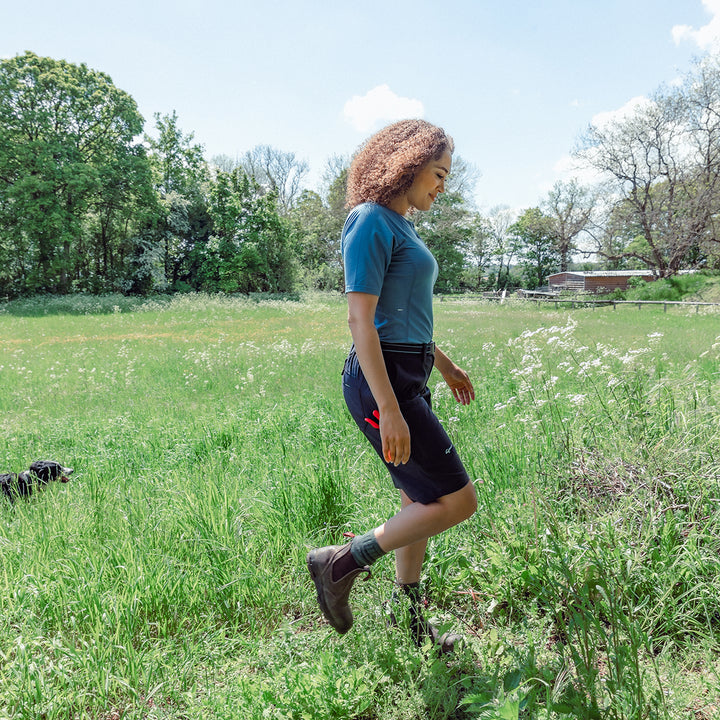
column 400, row 205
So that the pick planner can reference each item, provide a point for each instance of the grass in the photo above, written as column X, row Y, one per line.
column 212, row 449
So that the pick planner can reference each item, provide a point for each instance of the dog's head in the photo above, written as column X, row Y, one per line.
column 47, row 470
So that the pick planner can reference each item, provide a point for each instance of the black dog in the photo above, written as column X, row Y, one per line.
column 41, row 472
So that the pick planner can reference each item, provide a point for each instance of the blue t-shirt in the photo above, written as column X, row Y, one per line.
column 384, row 256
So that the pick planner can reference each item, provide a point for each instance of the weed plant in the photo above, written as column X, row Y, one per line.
column 212, row 449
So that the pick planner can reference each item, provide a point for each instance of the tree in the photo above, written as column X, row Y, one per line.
column 335, row 190
column 478, row 254
column 570, row 207
column 277, row 172
column 224, row 163
column 317, row 239
column 701, row 96
column 250, row 248
column 127, row 206
column 501, row 243
column 181, row 181
column 64, row 129
column 317, row 220
column 664, row 163
column 462, row 179
column 534, row 234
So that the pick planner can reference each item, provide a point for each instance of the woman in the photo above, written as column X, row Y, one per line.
column 389, row 279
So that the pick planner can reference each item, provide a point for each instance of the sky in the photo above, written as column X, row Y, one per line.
column 515, row 82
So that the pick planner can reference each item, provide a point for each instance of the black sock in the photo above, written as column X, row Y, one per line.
column 417, row 624
column 412, row 592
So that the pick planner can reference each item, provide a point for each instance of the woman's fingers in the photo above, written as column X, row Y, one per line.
column 395, row 436
column 397, row 452
column 463, row 391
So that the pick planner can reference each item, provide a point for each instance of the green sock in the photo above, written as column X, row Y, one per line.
column 365, row 549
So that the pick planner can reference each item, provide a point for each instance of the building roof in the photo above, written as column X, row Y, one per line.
column 605, row 273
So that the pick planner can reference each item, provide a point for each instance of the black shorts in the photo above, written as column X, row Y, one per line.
column 434, row 468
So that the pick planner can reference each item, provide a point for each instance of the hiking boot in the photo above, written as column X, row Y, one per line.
column 332, row 594
column 421, row 629
column 444, row 643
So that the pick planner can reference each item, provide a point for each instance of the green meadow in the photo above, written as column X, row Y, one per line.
column 212, row 449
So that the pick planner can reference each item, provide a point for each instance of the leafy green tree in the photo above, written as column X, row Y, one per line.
column 317, row 221
column 128, row 207
column 63, row 128
column 317, row 233
column 535, row 235
column 250, row 247
column 335, row 179
column 478, row 254
column 182, row 181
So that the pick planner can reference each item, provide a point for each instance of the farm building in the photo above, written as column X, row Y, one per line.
column 596, row 281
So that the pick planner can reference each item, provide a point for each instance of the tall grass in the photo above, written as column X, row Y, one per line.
column 212, row 449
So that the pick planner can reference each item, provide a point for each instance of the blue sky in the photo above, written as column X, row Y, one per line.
column 515, row 82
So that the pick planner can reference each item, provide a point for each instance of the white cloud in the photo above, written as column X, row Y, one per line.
column 579, row 167
column 380, row 105
column 572, row 167
column 604, row 119
column 706, row 37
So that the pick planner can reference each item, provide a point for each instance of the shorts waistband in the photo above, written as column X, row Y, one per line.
column 409, row 348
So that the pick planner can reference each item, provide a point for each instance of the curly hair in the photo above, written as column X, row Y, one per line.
column 386, row 164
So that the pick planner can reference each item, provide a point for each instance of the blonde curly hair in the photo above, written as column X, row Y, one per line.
column 386, row 164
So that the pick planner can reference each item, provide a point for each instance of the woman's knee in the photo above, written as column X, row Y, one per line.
column 461, row 504
column 468, row 501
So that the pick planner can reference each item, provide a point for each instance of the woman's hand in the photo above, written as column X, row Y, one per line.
column 456, row 378
column 459, row 382
column 395, row 436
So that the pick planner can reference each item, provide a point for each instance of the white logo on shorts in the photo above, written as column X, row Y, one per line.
column 449, row 450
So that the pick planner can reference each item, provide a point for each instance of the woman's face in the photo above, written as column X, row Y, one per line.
column 429, row 182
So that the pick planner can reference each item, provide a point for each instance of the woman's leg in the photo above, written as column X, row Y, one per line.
column 408, row 567
column 417, row 522
column 409, row 558
column 334, row 568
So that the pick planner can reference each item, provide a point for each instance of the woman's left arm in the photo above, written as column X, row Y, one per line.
column 457, row 379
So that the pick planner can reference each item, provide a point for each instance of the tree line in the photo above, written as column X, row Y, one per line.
column 89, row 202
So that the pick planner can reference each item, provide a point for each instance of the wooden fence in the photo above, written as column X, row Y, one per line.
column 584, row 303
column 540, row 297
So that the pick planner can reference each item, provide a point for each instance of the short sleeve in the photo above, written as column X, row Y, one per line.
column 367, row 244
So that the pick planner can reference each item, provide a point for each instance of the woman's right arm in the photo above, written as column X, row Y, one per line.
column 394, row 431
